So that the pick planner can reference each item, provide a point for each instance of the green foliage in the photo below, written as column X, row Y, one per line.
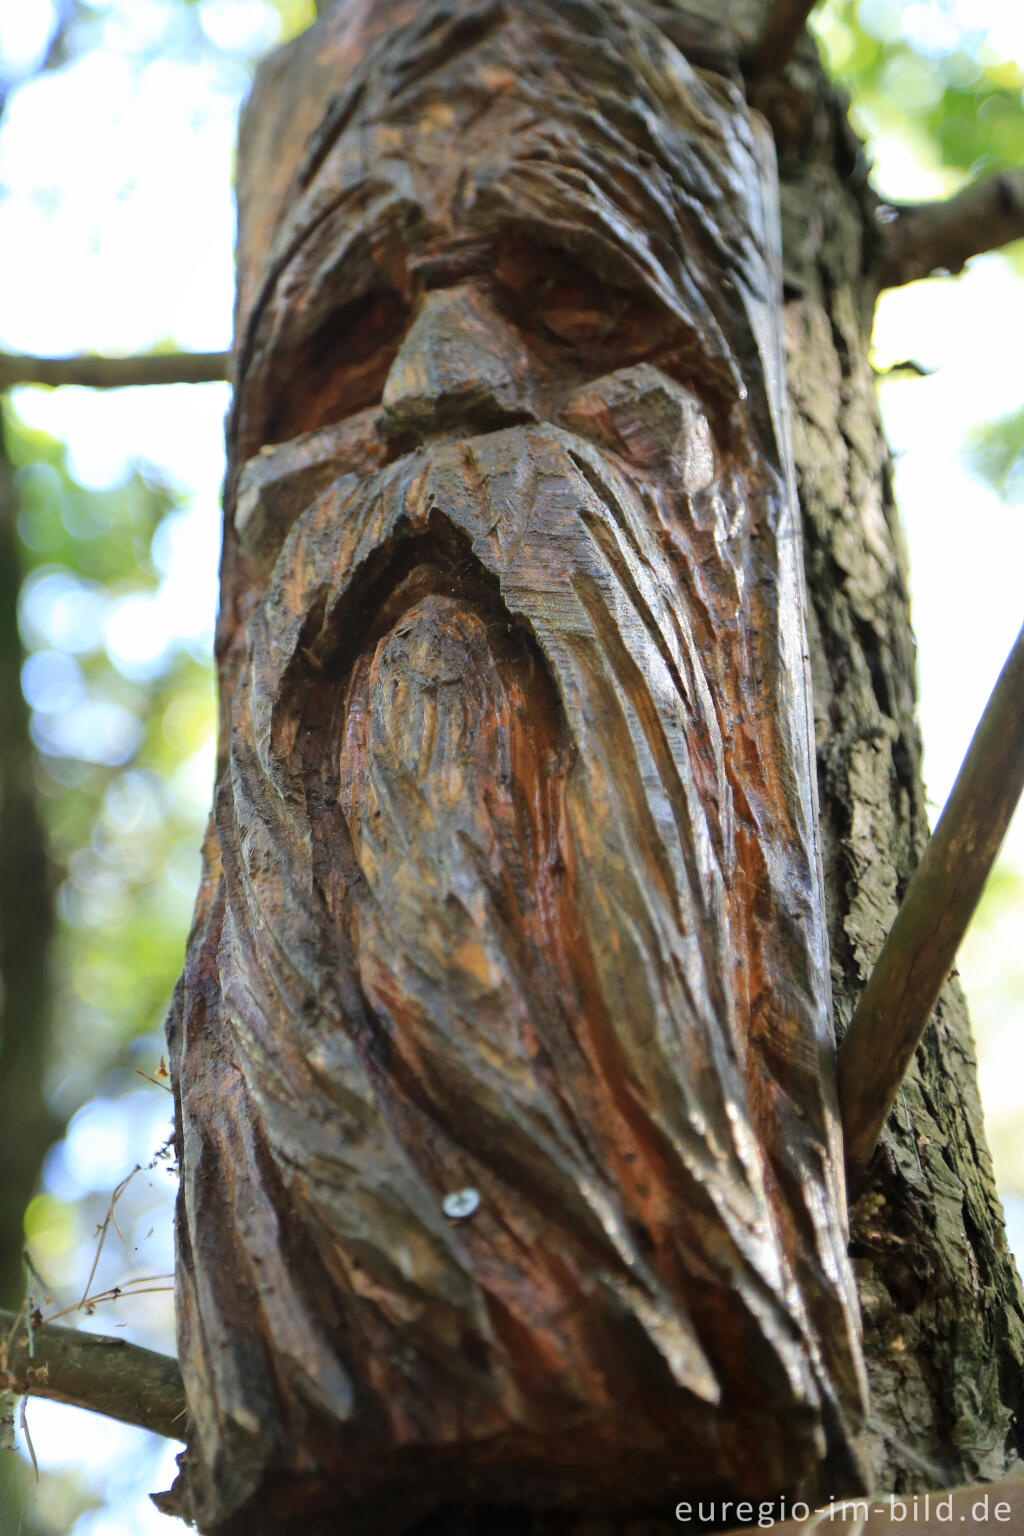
column 296, row 16
column 918, row 77
column 995, row 452
column 116, row 735
column 913, row 72
column 121, row 717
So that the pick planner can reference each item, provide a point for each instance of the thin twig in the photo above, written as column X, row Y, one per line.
column 15, row 1318
column 89, row 1370
column 142, row 1285
column 939, row 903
column 786, row 24
column 921, row 238
column 102, row 1230
column 26, row 1259
column 23, row 1420
column 156, row 1081
column 94, row 372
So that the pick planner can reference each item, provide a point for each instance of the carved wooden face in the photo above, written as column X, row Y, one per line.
column 518, row 1048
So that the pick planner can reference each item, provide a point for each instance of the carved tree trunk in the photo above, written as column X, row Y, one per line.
column 510, row 1165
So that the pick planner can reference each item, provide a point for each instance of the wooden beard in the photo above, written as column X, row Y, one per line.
column 510, row 1163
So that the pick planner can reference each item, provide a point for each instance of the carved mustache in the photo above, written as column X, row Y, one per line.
column 462, row 369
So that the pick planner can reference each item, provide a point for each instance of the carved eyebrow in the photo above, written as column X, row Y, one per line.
column 460, row 259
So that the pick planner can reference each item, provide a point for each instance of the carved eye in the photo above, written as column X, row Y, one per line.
column 572, row 306
column 338, row 370
column 565, row 302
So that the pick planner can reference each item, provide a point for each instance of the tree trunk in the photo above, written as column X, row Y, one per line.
column 26, row 925
column 939, row 1293
column 26, row 929
column 511, row 1174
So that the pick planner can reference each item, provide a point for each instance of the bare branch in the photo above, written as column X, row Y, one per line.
column 91, row 1370
column 922, row 238
column 94, row 372
column 786, row 24
column 939, row 903
column 23, row 1421
column 104, row 1229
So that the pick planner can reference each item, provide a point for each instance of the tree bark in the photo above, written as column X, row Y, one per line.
column 503, row 1053
column 26, row 925
column 940, row 1297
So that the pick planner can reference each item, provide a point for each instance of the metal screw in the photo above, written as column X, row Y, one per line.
column 460, row 1204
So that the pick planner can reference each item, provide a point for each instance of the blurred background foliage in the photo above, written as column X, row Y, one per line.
column 921, row 71
column 995, row 451
column 115, row 234
column 115, row 231
column 939, row 84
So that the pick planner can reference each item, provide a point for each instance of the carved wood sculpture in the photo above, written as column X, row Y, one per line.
column 513, row 893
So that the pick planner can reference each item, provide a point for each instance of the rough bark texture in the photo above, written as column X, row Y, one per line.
column 513, row 892
column 940, row 1297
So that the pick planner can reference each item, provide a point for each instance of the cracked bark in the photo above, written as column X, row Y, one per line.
column 941, row 1301
column 512, row 883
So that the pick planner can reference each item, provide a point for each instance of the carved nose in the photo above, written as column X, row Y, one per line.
column 460, row 363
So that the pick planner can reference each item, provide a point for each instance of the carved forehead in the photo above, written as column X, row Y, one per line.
column 572, row 125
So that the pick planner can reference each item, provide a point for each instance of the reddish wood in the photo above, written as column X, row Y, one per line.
column 513, row 886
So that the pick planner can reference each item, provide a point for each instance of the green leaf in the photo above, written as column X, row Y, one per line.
column 995, row 453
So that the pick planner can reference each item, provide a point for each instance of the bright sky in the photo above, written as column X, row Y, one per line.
column 116, row 230
column 966, row 545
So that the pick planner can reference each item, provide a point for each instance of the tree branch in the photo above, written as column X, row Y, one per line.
column 91, row 1370
column 939, row 903
column 94, row 372
column 922, row 238
column 786, row 24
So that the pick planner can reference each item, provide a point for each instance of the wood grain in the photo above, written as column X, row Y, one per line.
column 513, row 886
